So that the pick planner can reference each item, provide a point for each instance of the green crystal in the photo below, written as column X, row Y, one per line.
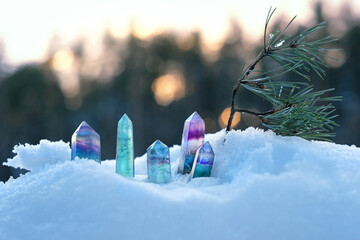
column 125, row 147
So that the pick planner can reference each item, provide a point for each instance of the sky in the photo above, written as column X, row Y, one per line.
column 27, row 27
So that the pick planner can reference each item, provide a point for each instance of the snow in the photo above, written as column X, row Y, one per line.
column 36, row 157
column 263, row 186
column 279, row 44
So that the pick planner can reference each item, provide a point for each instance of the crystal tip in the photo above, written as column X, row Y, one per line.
column 157, row 143
column 83, row 123
column 195, row 115
column 207, row 147
column 85, row 127
column 125, row 117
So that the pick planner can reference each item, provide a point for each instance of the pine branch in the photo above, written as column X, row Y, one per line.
column 297, row 109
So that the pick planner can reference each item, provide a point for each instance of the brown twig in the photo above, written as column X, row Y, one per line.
column 259, row 114
column 265, row 52
column 250, row 68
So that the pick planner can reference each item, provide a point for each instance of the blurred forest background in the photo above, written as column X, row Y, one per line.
column 158, row 81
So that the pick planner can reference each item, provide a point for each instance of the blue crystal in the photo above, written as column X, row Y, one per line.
column 192, row 140
column 125, row 147
column 85, row 143
column 203, row 162
column 158, row 163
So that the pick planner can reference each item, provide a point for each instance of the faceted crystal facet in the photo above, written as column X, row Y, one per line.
column 125, row 147
column 85, row 143
column 192, row 139
column 203, row 162
column 158, row 163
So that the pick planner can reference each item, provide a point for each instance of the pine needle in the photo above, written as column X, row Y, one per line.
column 297, row 110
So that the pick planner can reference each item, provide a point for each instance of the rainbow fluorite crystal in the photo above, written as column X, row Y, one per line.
column 203, row 162
column 125, row 147
column 158, row 163
column 192, row 140
column 85, row 143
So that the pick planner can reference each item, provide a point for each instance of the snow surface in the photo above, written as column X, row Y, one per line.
column 263, row 186
column 36, row 157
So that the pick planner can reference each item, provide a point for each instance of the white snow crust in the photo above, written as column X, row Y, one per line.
column 34, row 157
column 262, row 186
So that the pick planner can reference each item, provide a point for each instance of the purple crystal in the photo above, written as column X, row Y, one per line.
column 85, row 143
column 203, row 162
column 192, row 139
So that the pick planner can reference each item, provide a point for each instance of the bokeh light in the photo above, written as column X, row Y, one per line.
column 185, row 41
column 63, row 62
column 224, row 117
column 336, row 58
column 62, row 59
column 168, row 88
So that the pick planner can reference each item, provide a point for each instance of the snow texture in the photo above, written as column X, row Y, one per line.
column 263, row 186
column 34, row 157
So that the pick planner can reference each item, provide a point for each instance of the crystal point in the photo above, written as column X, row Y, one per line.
column 192, row 139
column 125, row 147
column 203, row 162
column 85, row 143
column 158, row 163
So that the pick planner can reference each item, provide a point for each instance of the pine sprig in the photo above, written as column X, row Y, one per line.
column 297, row 110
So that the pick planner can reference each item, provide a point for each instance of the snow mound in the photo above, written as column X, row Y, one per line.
column 35, row 157
column 263, row 186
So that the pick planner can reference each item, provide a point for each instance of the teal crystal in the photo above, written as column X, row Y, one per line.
column 85, row 143
column 158, row 163
column 125, row 147
column 192, row 140
column 203, row 162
